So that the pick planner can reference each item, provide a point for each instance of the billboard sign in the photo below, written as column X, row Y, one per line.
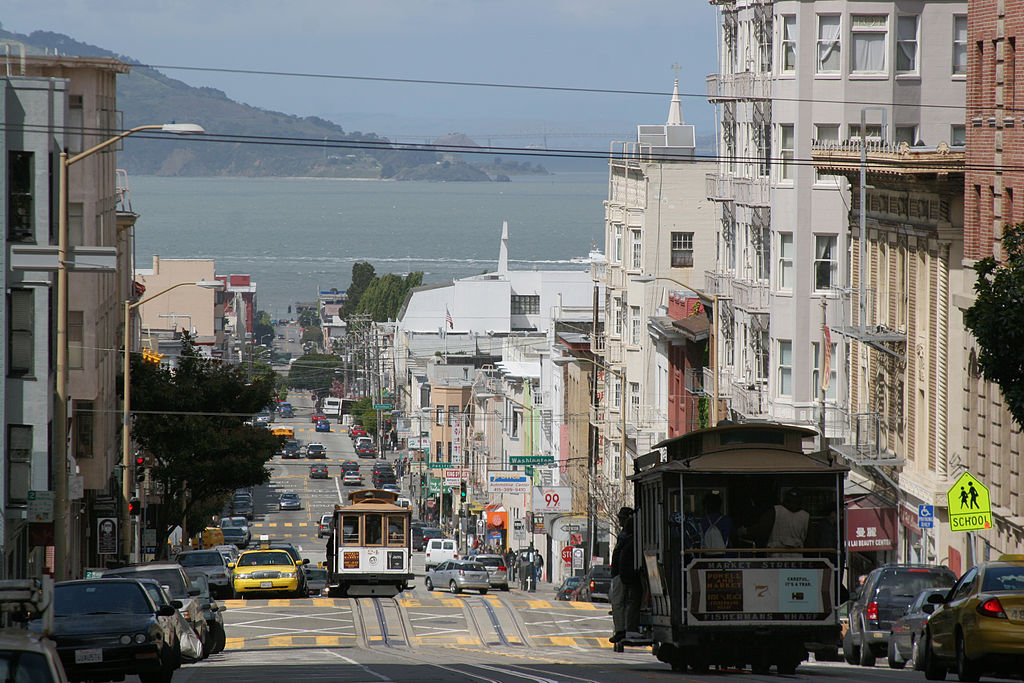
column 508, row 482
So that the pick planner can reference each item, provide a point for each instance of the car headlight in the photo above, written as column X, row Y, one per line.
column 125, row 639
column 243, row 576
column 140, row 638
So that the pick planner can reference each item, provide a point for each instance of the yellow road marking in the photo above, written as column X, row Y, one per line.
column 288, row 524
column 280, row 641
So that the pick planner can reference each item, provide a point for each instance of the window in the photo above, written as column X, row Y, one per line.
column 873, row 130
column 618, row 244
column 1008, row 205
column 76, row 224
column 765, row 156
column 637, row 249
column 682, row 250
column 788, row 43
column 868, row 33
column 396, row 530
column 440, row 416
column 960, row 45
column 785, row 387
column 830, row 392
column 828, row 43
column 907, row 134
column 438, row 448
column 634, row 401
column 449, row 451
column 373, row 527
column 19, row 463
column 825, row 261
column 785, row 260
column 617, row 394
column 20, row 213
column 634, row 320
column 617, row 310
column 20, row 332
column 786, row 149
column 762, row 251
column 75, row 339
column 826, row 134
column 75, row 123
column 906, row 44
column 525, row 304
column 84, row 420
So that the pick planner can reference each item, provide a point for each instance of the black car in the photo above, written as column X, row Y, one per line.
column 318, row 472
column 93, row 618
column 597, row 583
column 568, row 587
column 420, row 536
column 291, row 449
column 316, row 450
column 882, row 599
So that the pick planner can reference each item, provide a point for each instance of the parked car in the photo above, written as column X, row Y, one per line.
column 568, row 589
column 236, row 531
column 212, row 564
column 906, row 633
column 496, row 570
column 596, row 584
column 317, row 417
column 420, row 536
column 211, row 610
column 318, row 472
column 457, row 576
column 323, row 528
column 291, row 449
column 978, row 627
column 439, row 550
column 882, row 599
column 323, row 426
column 173, row 577
column 91, row 619
column 29, row 657
column 229, row 551
column 289, row 501
column 352, row 478
column 357, row 431
column 316, row 580
column 316, row 451
column 187, row 643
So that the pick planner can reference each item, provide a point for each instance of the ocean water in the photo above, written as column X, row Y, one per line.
column 296, row 236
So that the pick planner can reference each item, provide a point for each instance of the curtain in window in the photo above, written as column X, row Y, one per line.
column 828, row 43
column 906, row 44
column 960, row 45
column 823, row 248
column 869, row 52
column 785, row 368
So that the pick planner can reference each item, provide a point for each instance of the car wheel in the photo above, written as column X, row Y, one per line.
column 867, row 657
column 915, row 653
column 504, row 587
column 893, row 656
column 966, row 669
column 483, row 591
column 454, row 587
column 429, row 584
column 851, row 652
column 219, row 639
column 933, row 670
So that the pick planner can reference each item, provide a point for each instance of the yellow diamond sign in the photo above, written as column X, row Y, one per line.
column 969, row 505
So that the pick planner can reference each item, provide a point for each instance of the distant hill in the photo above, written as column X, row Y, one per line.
column 146, row 96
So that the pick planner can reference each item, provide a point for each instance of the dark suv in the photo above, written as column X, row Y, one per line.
column 882, row 599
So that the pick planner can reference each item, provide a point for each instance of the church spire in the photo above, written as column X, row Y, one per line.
column 503, row 252
column 675, row 109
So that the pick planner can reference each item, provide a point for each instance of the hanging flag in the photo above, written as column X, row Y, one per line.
column 827, row 364
column 448, row 318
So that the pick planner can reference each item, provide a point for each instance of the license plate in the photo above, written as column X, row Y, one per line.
column 1015, row 613
column 88, row 656
column 266, row 584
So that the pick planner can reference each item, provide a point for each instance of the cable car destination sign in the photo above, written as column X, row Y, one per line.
column 969, row 505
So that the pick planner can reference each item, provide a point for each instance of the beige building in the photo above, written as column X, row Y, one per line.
column 196, row 309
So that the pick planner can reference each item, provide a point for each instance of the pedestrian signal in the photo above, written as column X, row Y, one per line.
column 133, row 507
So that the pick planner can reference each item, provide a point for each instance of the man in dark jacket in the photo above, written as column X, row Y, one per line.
column 625, row 592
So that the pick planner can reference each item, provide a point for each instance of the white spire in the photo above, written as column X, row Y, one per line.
column 503, row 253
column 675, row 110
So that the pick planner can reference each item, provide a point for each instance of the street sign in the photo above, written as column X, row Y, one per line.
column 531, row 460
column 925, row 516
column 434, row 465
column 382, row 406
column 969, row 505
column 40, row 506
column 517, row 524
column 577, row 558
column 567, row 554
column 552, row 499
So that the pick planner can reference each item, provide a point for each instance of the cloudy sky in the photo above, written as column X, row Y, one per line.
column 602, row 44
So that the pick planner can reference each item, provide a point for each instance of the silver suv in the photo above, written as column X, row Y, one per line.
column 497, row 572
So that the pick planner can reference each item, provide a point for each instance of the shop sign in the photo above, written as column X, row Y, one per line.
column 552, row 498
column 508, row 482
column 870, row 529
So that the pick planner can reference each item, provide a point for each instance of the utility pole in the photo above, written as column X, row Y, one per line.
column 592, row 463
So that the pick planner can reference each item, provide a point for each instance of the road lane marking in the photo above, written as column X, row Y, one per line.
column 353, row 662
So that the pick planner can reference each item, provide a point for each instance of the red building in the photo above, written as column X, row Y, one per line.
column 685, row 334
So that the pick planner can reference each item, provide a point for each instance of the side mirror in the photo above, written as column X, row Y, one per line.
column 165, row 611
column 928, row 608
column 231, row 565
column 937, row 599
column 305, row 561
column 298, row 563
column 194, row 592
column 214, row 607
column 176, row 604
column 854, row 595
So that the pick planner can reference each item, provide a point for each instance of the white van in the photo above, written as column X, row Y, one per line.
column 332, row 407
column 439, row 550
column 403, row 503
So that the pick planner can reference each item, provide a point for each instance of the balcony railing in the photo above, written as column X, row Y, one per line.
column 752, row 191
column 598, row 271
column 718, row 188
column 750, row 400
column 742, row 86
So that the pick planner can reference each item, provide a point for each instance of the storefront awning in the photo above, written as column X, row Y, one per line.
column 497, row 517
column 870, row 528
column 475, row 508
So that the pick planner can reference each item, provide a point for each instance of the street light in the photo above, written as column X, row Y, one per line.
column 592, row 461
column 58, row 454
column 126, row 437
column 712, row 333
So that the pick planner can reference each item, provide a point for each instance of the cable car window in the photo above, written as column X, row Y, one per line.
column 350, row 529
column 374, row 529
column 396, row 530
column 768, row 436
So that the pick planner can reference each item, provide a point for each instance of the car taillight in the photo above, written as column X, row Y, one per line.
column 591, row 585
column 502, row 569
column 462, row 572
column 871, row 612
column 992, row 608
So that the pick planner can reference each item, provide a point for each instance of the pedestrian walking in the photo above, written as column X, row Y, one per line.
column 625, row 593
column 538, row 571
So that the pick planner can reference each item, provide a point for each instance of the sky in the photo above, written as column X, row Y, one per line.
column 603, row 44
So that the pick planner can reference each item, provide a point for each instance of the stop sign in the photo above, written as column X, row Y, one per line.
column 567, row 554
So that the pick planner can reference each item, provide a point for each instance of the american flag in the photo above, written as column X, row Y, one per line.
column 448, row 318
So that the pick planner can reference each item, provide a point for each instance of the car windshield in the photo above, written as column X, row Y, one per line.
column 572, row 581
column 601, row 572
column 316, row 574
column 155, row 594
column 908, row 583
column 229, row 522
column 1003, row 579
column 170, row 577
column 265, row 558
column 200, row 559
column 18, row 666
column 100, row 597
column 471, row 566
column 289, row 496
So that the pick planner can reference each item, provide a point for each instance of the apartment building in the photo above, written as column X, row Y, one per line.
column 798, row 75
column 659, row 236
column 988, row 443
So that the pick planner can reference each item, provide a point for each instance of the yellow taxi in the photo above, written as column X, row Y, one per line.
column 266, row 571
column 979, row 625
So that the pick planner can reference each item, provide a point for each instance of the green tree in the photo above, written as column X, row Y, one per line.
column 191, row 420
column 384, row 297
column 362, row 276
column 261, row 328
column 309, row 318
column 997, row 319
column 313, row 334
column 314, row 371
column 365, row 414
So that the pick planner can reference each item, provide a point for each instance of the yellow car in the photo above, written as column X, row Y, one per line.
column 979, row 626
column 266, row 572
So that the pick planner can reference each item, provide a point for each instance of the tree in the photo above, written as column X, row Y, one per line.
column 312, row 334
column 309, row 318
column 362, row 276
column 384, row 296
column 191, row 420
column 261, row 327
column 997, row 319
column 314, row 371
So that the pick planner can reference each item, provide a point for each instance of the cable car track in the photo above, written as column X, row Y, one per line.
column 397, row 636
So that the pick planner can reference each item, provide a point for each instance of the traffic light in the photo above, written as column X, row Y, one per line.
column 133, row 507
column 140, row 472
column 151, row 357
column 462, row 491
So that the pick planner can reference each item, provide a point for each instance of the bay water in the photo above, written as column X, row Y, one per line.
column 296, row 236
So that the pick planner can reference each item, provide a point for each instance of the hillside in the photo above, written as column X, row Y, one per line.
column 147, row 96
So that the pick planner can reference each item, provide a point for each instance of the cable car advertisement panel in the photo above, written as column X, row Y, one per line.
column 734, row 591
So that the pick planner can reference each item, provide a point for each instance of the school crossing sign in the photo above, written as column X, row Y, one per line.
column 969, row 505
